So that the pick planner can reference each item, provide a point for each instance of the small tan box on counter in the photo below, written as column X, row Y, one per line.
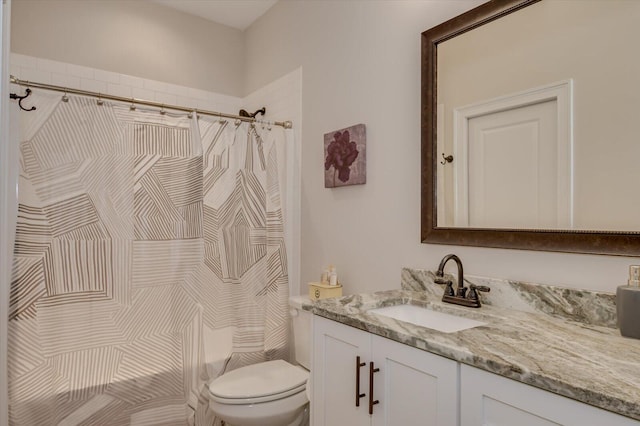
column 319, row 291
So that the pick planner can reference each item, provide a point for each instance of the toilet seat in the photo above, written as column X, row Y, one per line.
column 263, row 382
column 256, row 400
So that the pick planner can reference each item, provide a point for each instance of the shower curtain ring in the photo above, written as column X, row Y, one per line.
column 100, row 101
column 162, row 111
column 132, row 107
column 238, row 122
column 221, row 120
column 65, row 98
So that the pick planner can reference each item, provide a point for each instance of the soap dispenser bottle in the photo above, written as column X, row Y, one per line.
column 628, row 304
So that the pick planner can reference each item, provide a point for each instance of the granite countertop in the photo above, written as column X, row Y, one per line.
column 566, row 355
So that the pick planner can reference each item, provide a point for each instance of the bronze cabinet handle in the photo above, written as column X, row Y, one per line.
column 358, row 394
column 372, row 370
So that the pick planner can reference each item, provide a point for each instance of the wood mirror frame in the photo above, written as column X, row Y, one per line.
column 593, row 242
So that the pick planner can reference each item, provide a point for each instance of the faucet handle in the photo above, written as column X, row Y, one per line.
column 480, row 288
column 474, row 289
column 448, row 291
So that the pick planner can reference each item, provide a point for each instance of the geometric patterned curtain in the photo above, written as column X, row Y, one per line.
column 132, row 285
column 245, row 298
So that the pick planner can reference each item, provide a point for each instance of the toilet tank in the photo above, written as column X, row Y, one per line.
column 301, row 324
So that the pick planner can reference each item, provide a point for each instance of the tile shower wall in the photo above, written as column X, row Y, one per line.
column 84, row 78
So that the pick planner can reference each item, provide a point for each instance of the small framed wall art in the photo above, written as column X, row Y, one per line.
column 344, row 157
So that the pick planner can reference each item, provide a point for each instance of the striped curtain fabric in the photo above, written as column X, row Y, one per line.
column 246, row 292
column 149, row 258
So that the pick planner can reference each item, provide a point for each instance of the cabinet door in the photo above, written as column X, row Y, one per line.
column 414, row 387
column 335, row 350
column 489, row 399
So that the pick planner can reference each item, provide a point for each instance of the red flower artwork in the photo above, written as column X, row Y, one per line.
column 341, row 153
column 345, row 152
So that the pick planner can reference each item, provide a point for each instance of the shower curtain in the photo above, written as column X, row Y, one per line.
column 149, row 259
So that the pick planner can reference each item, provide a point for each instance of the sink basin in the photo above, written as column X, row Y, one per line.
column 428, row 318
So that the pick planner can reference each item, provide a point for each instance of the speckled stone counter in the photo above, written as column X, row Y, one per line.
column 560, row 340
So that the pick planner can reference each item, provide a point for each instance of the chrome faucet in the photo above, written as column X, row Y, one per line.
column 459, row 296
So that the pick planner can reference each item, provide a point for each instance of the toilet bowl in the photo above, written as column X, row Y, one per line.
column 271, row 393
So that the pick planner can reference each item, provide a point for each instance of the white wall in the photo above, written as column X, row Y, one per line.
column 361, row 64
column 139, row 38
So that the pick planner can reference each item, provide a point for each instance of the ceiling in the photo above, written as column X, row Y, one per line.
column 233, row 13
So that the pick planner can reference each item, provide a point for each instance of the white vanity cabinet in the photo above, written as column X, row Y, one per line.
column 490, row 399
column 336, row 348
column 411, row 387
column 415, row 387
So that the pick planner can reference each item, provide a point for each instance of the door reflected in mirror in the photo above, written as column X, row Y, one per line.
column 538, row 109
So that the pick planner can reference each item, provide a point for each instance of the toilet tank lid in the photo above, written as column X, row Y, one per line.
column 253, row 381
column 297, row 301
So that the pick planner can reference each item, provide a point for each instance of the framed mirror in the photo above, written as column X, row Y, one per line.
column 527, row 121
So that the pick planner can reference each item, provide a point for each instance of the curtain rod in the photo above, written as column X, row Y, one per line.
column 286, row 124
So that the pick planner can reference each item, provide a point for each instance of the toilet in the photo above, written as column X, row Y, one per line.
column 271, row 393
